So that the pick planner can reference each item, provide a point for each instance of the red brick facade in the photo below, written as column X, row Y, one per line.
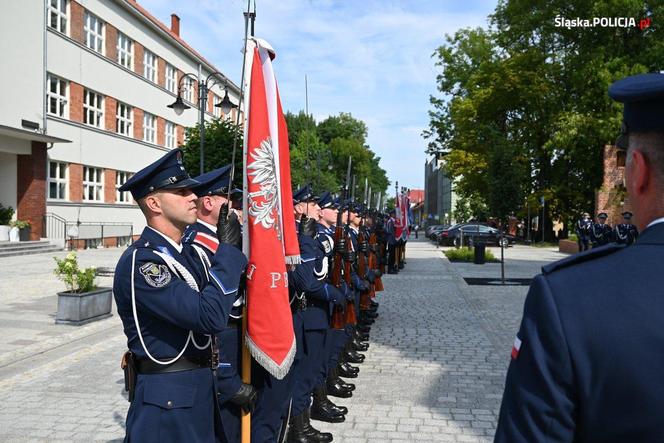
column 611, row 197
column 77, row 13
column 31, row 188
column 161, row 131
column 75, row 182
column 138, row 124
column 109, row 185
column 138, row 58
column 110, row 105
column 75, row 102
column 111, row 42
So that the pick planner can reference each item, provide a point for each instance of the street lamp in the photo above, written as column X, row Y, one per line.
column 204, row 85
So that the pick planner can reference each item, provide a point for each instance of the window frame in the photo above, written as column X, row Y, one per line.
column 124, row 119
column 125, row 52
column 62, row 101
column 90, row 107
column 150, row 68
column 125, row 196
column 149, row 129
column 188, row 90
column 216, row 110
column 61, row 12
column 170, row 139
column 96, row 43
column 171, row 82
column 97, row 186
column 64, row 181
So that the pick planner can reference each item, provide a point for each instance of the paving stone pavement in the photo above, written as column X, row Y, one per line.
column 434, row 371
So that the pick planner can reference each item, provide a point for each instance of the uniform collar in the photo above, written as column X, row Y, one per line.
column 653, row 234
column 176, row 246
column 208, row 225
column 655, row 221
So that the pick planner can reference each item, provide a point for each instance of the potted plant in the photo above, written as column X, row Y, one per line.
column 6, row 215
column 23, row 227
column 83, row 301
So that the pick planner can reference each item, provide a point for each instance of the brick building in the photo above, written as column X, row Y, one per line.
column 611, row 197
column 86, row 89
column 439, row 196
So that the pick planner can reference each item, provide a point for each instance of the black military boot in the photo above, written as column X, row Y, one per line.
column 314, row 434
column 296, row 430
column 335, row 385
column 370, row 314
column 374, row 304
column 347, row 370
column 358, row 345
column 361, row 336
column 353, row 356
column 323, row 409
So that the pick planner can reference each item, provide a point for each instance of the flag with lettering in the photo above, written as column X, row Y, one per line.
column 270, row 241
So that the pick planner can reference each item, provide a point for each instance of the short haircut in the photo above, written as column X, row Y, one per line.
column 651, row 144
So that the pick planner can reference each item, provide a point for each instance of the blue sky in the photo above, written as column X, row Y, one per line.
column 369, row 58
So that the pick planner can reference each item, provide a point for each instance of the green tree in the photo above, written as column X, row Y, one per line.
column 296, row 124
column 219, row 134
column 343, row 125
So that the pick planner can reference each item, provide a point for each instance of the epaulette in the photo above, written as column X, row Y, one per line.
column 582, row 257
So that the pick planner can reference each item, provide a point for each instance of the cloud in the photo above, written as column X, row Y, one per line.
column 369, row 58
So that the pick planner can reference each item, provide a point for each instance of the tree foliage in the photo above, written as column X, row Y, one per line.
column 523, row 110
column 219, row 134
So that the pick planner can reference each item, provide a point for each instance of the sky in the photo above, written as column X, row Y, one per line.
column 367, row 57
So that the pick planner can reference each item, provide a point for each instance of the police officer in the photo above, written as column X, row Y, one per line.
column 625, row 233
column 601, row 233
column 233, row 394
column 170, row 314
column 586, row 365
column 582, row 230
column 390, row 239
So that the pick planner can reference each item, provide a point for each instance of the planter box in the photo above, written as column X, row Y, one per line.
column 24, row 233
column 568, row 246
column 4, row 232
column 79, row 309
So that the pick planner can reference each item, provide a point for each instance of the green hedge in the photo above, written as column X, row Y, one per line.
column 468, row 255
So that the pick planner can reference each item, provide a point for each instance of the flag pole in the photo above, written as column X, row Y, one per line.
column 245, row 421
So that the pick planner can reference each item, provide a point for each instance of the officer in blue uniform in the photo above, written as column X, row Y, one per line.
column 601, row 233
column 587, row 363
column 625, row 233
column 170, row 314
column 582, row 230
column 312, row 296
column 233, row 394
column 391, row 241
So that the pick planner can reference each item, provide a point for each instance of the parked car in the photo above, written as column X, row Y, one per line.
column 471, row 233
column 437, row 230
column 430, row 228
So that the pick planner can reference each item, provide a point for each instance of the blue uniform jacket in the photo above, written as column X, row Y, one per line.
column 587, row 364
column 176, row 406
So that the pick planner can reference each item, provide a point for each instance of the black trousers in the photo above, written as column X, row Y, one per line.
column 391, row 256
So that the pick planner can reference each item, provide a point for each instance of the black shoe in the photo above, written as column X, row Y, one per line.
column 346, row 370
column 361, row 336
column 359, row 346
column 364, row 329
column 322, row 407
column 374, row 304
column 335, row 390
column 339, row 409
column 370, row 314
column 364, row 321
column 296, row 430
column 344, row 385
column 353, row 357
column 314, row 434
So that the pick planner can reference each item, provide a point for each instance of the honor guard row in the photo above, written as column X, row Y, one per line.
column 586, row 364
column 179, row 292
column 601, row 233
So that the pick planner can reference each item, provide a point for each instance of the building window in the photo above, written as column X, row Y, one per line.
column 170, row 135
column 125, row 51
column 57, row 96
column 150, row 66
column 149, row 127
column 171, row 78
column 93, row 184
column 57, row 15
column 57, row 180
column 123, row 119
column 621, row 158
column 216, row 110
column 120, row 179
column 94, row 33
column 188, row 89
column 93, row 109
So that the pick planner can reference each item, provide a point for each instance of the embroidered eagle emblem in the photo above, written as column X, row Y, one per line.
column 156, row 275
column 263, row 203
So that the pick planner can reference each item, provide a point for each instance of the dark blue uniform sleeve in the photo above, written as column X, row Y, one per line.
column 165, row 296
column 538, row 403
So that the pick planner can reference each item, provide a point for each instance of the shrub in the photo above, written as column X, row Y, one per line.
column 468, row 255
column 76, row 280
column 21, row 224
column 6, row 214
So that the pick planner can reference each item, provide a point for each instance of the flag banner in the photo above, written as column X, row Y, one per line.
column 269, row 237
column 398, row 217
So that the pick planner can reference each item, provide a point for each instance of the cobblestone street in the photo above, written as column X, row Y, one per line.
column 434, row 371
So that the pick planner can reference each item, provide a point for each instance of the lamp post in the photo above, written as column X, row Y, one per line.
column 204, row 85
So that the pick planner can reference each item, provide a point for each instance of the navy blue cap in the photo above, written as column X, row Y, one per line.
column 325, row 201
column 602, row 215
column 166, row 173
column 304, row 194
column 643, row 96
column 214, row 182
column 627, row 215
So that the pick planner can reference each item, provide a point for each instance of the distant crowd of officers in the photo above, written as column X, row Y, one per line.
column 179, row 294
column 601, row 233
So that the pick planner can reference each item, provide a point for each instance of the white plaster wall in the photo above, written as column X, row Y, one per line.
column 21, row 48
column 7, row 178
column 87, row 212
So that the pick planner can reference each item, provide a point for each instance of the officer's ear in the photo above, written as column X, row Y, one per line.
column 637, row 173
column 152, row 203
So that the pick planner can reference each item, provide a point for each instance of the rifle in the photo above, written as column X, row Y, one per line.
column 338, row 319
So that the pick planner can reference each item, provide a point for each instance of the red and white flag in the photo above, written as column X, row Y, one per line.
column 270, row 241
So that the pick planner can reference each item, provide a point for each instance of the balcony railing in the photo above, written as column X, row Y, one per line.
column 71, row 233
